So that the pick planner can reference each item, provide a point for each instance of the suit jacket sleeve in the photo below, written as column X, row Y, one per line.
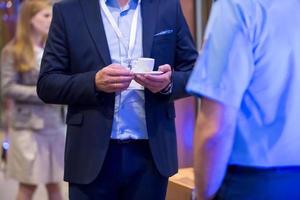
column 185, row 57
column 56, row 83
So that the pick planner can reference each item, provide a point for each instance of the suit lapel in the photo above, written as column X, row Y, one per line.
column 149, row 10
column 91, row 10
column 92, row 14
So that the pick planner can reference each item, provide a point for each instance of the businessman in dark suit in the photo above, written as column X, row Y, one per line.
column 121, row 141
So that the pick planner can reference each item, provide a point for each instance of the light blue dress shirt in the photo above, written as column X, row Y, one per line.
column 251, row 61
column 129, row 116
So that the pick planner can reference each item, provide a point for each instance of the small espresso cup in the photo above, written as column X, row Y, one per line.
column 142, row 65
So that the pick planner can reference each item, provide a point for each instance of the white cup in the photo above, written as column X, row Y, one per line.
column 142, row 65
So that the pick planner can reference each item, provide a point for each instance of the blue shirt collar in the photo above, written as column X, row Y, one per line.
column 132, row 4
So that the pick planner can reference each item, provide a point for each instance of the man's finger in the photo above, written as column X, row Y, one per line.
column 118, row 72
column 119, row 79
column 146, row 82
column 164, row 68
column 157, row 78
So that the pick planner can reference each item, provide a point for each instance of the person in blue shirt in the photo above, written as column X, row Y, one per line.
column 247, row 133
column 121, row 138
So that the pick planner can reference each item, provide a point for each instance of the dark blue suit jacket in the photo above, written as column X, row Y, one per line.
column 77, row 48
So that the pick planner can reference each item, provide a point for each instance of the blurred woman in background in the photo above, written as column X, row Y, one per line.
column 36, row 135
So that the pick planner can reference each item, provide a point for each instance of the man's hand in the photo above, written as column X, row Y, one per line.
column 113, row 78
column 156, row 83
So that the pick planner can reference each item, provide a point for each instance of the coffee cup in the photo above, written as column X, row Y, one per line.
column 142, row 65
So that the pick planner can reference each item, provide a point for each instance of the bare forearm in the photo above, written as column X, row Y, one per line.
column 214, row 134
column 211, row 159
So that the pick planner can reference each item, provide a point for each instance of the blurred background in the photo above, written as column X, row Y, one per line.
column 196, row 13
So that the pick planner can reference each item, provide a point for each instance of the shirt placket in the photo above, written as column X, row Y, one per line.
column 123, row 55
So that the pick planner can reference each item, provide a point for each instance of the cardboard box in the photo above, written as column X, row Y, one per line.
column 181, row 185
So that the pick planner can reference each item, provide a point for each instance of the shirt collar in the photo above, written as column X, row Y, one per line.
column 132, row 4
